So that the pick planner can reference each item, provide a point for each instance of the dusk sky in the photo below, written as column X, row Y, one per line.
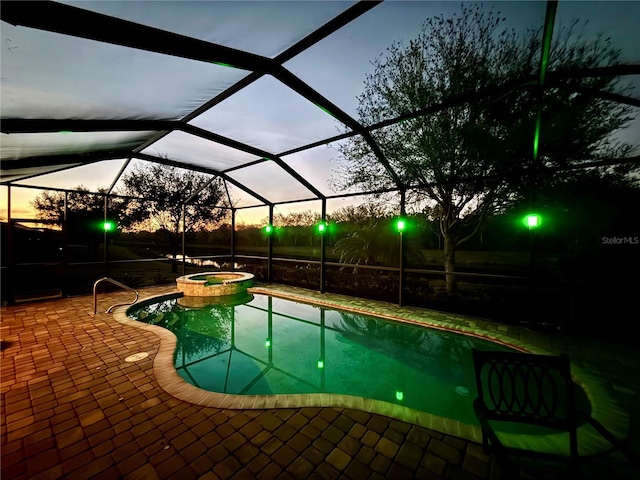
column 47, row 75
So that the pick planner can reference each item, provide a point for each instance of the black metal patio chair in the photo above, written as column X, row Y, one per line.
column 523, row 397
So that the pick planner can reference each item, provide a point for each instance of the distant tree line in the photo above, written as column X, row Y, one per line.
column 573, row 220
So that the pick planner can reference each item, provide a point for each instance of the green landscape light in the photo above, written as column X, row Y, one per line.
column 268, row 229
column 267, row 343
column 108, row 226
column 532, row 220
column 401, row 225
column 320, row 363
column 399, row 395
column 322, row 227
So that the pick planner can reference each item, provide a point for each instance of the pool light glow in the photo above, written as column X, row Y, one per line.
column 532, row 220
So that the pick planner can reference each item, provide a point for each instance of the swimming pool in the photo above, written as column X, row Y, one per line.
column 261, row 345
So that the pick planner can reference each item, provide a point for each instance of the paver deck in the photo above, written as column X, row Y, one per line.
column 73, row 407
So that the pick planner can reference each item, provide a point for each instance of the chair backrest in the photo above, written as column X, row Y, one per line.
column 525, row 388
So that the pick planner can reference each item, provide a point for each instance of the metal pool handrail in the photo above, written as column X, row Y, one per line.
column 115, row 282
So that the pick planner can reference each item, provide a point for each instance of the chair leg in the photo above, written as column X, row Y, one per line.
column 503, row 468
column 485, row 445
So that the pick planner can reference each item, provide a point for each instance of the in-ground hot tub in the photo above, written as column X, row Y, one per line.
column 214, row 284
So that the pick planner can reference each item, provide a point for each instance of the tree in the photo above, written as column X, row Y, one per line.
column 475, row 157
column 363, row 213
column 306, row 218
column 298, row 226
column 162, row 191
column 84, row 215
column 370, row 237
column 50, row 205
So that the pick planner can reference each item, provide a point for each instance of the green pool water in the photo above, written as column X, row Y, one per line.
column 262, row 345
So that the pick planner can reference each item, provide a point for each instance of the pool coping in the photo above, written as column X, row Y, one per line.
column 605, row 409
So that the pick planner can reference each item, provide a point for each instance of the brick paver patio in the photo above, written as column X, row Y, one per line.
column 73, row 407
